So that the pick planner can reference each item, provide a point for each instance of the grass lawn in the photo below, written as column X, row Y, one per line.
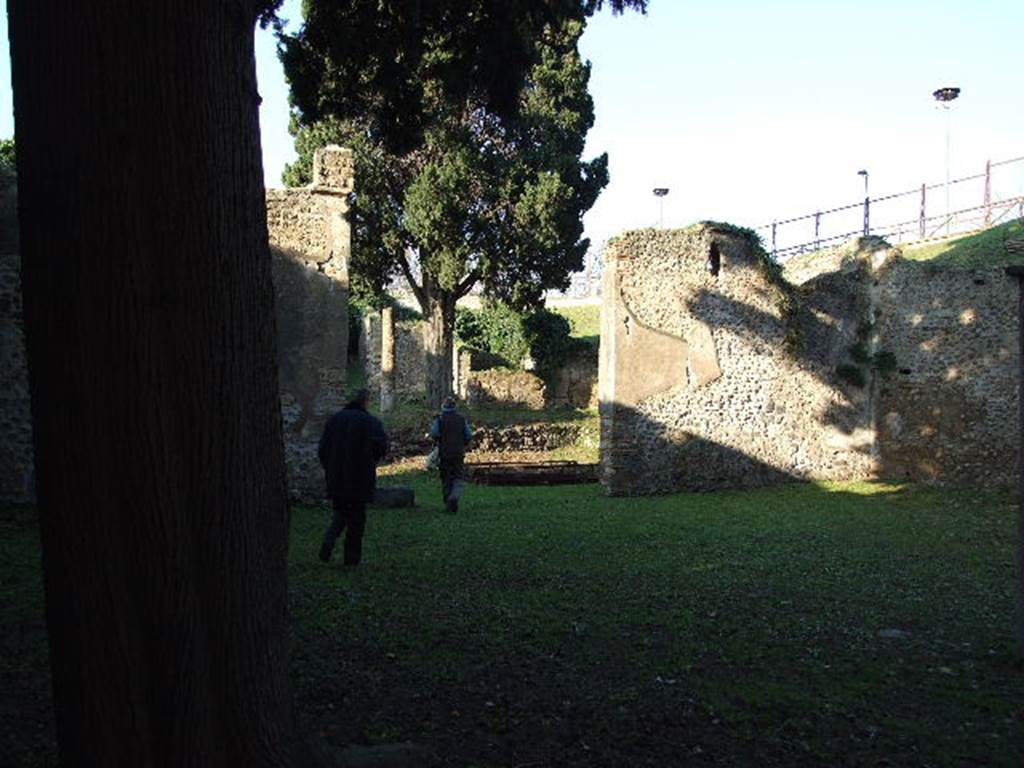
column 840, row 624
column 584, row 321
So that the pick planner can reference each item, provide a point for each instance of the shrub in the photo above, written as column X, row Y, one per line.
column 495, row 328
column 550, row 342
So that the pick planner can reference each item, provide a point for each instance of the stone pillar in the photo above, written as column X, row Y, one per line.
column 387, row 359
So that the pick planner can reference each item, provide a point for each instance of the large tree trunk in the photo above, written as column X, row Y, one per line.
column 149, row 329
column 439, row 341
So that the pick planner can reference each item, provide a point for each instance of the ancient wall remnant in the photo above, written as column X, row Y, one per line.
column 310, row 243
column 409, row 375
column 948, row 412
column 717, row 372
column 574, row 384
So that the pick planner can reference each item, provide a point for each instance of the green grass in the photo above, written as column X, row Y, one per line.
column 984, row 249
column 555, row 626
column 584, row 321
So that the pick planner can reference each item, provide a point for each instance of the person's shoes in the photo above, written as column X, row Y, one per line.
column 325, row 552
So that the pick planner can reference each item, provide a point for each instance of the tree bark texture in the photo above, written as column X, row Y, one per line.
column 150, row 337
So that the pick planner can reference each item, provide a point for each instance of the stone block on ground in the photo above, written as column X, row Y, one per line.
column 394, row 497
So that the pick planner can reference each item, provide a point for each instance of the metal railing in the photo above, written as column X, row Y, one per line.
column 905, row 215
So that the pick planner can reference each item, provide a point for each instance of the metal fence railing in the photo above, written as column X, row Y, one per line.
column 974, row 203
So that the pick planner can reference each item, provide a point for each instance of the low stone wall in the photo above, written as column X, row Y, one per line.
column 483, row 379
column 538, row 437
column 527, row 438
column 574, row 385
column 519, row 389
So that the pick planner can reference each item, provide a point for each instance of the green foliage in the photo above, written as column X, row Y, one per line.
column 468, row 328
column 472, row 116
column 479, row 192
column 393, row 64
column 550, row 342
column 496, row 328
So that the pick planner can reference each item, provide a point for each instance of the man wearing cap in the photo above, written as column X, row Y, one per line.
column 452, row 433
column 352, row 444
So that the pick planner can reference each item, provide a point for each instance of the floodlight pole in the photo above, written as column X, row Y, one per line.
column 660, row 192
column 867, row 204
column 944, row 96
column 1018, row 273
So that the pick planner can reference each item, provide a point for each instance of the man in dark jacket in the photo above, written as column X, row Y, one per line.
column 452, row 433
column 350, row 447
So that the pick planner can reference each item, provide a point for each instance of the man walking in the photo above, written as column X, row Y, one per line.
column 350, row 447
column 452, row 433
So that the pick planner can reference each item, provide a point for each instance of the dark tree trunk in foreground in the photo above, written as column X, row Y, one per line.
column 149, row 324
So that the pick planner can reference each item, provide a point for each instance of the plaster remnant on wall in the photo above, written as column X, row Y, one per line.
column 702, row 358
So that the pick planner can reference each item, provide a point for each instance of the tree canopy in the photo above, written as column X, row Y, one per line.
column 467, row 120
column 387, row 62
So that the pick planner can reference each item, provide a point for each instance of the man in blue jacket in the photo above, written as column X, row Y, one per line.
column 452, row 433
column 352, row 444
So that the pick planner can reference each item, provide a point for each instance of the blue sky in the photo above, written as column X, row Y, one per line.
column 750, row 112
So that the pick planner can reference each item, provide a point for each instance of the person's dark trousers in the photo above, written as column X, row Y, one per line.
column 451, row 470
column 348, row 514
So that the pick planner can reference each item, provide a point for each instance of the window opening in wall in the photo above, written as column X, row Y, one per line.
column 714, row 263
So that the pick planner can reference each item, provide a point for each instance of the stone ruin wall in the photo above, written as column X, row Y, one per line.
column 714, row 380
column 310, row 243
column 948, row 414
column 475, row 377
column 698, row 390
column 410, row 357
